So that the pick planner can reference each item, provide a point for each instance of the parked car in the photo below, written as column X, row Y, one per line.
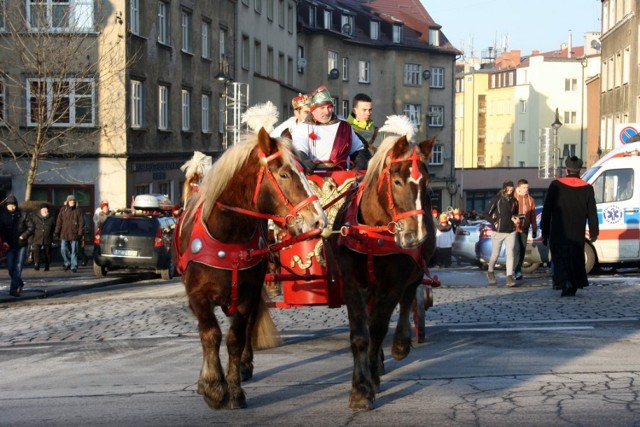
column 464, row 245
column 137, row 239
column 535, row 253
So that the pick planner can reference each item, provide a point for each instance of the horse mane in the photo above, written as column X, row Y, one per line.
column 378, row 161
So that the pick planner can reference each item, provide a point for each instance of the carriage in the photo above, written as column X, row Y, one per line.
column 360, row 239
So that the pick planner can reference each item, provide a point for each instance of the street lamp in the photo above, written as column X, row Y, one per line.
column 557, row 124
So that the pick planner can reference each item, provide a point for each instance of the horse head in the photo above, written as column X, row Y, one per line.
column 282, row 189
column 396, row 193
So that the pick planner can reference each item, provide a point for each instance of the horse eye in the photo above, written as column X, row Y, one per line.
column 283, row 175
column 397, row 182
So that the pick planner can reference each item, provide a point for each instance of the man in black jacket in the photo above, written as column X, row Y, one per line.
column 503, row 213
column 15, row 228
column 569, row 204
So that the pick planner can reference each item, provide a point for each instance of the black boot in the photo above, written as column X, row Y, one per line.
column 36, row 267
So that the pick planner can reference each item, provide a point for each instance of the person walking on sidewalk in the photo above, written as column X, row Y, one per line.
column 44, row 224
column 503, row 213
column 527, row 218
column 570, row 203
column 69, row 227
column 15, row 229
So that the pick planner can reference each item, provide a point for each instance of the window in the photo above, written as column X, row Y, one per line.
column 437, row 157
column 345, row 108
column 206, row 113
column 614, row 186
column 570, row 85
column 257, row 56
column 626, row 64
column 60, row 15
column 258, row 6
column 412, row 74
column 436, row 116
column 327, row 19
column 289, row 70
column 204, row 36
column 332, row 60
column 363, row 71
column 186, row 31
column 523, row 105
column 312, row 16
column 134, row 16
column 347, row 24
column 281, row 66
column 569, row 117
column 301, row 61
column 434, row 37
column 397, row 33
column 163, row 22
column 437, row 77
column 163, row 107
column 245, row 52
column 137, row 106
column 281, row 13
column 290, row 19
column 345, row 69
column 270, row 62
column 186, row 109
column 222, row 37
column 413, row 111
column 523, row 137
column 62, row 102
column 374, row 30
column 270, row 7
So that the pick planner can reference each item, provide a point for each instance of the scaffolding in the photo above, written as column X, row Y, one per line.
column 236, row 101
column 547, row 155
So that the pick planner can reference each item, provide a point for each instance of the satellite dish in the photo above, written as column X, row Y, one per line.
column 476, row 66
column 595, row 44
column 302, row 62
column 426, row 74
column 346, row 28
column 334, row 74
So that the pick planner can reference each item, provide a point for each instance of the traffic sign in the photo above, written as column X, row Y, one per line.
column 624, row 132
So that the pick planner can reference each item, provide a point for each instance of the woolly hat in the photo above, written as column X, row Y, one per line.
column 573, row 163
column 103, row 204
column 507, row 184
column 300, row 100
column 319, row 97
column 44, row 205
column 71, row 198
column 11, row 200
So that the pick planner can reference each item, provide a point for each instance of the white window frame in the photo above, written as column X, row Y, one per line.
column 374, row 30
column 326, row 22
column 434, row 37
column 397, row 33
column 163, row 107
column 345, row 69
column 137, row 104
column 185, row 24
column 364, row 72
column 345, row 108
column 205, row 39
column 436, row 80
column 523, row 106
column 570, row 84
column 346, row 20
column 163, row 24
column 206, row 113
column 73, row 99
column 134, row 16
column 222, row 43
column 414, row 112
column 332, row 60
column 436, row 116
column 437, row 155
column 412, row 74
column 186, row 109
column 570, row 117
column 79, row 17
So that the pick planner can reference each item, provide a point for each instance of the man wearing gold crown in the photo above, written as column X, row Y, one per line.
column 300, row 111
column 323, row 140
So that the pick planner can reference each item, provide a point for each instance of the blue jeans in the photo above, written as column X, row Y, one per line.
column 69, row 249
column 15, row 262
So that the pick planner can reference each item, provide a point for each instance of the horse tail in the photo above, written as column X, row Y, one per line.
column 265, row 334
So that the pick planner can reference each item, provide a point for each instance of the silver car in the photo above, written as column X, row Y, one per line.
column 464, row 244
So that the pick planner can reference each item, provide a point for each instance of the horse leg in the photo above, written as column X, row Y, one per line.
column 402, row 337
column 211, row 384
column 362, row 386
column 378, row 328
column 246, row 359
column 236, row 338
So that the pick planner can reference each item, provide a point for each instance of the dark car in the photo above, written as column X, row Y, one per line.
column 135, row 241
column 535, row 253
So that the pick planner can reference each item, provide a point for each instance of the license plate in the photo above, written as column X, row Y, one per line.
column 124, row 252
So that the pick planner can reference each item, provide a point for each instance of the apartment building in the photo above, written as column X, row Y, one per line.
column 123, row 91
column 395, row 53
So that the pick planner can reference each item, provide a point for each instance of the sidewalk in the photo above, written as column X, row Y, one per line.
column 43, row 284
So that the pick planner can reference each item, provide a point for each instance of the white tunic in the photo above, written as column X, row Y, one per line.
column 320, row 148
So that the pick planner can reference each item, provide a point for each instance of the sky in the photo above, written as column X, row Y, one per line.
column 541, row 25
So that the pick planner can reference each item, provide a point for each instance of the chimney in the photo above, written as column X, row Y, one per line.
column 570, row 47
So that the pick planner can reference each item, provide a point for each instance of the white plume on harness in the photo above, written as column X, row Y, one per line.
column 199, row 164
column 261, row 116
column 399, row 125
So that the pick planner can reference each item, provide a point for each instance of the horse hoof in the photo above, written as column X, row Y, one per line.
column 214, row 404
column 246, row 372
column 361, row 405
column 400, row 350
column 237, row 403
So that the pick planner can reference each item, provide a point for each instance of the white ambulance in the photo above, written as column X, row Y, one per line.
column 616, row 181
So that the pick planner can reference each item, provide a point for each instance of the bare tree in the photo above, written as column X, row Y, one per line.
column 57, row 59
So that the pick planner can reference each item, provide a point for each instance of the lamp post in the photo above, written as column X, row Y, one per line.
column 557, row 124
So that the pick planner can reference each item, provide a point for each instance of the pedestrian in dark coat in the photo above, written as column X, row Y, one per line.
column 69, row 227
column 44, row 224
column 569, row 205
column 15, row 229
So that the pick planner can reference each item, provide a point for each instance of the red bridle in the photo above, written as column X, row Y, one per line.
column 292, row 216
column 415, row 175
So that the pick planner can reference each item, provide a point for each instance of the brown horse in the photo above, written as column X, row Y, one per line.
column 220, row 249
column 386, row 239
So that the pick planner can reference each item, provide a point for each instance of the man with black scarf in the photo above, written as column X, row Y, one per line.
column 569, row 204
